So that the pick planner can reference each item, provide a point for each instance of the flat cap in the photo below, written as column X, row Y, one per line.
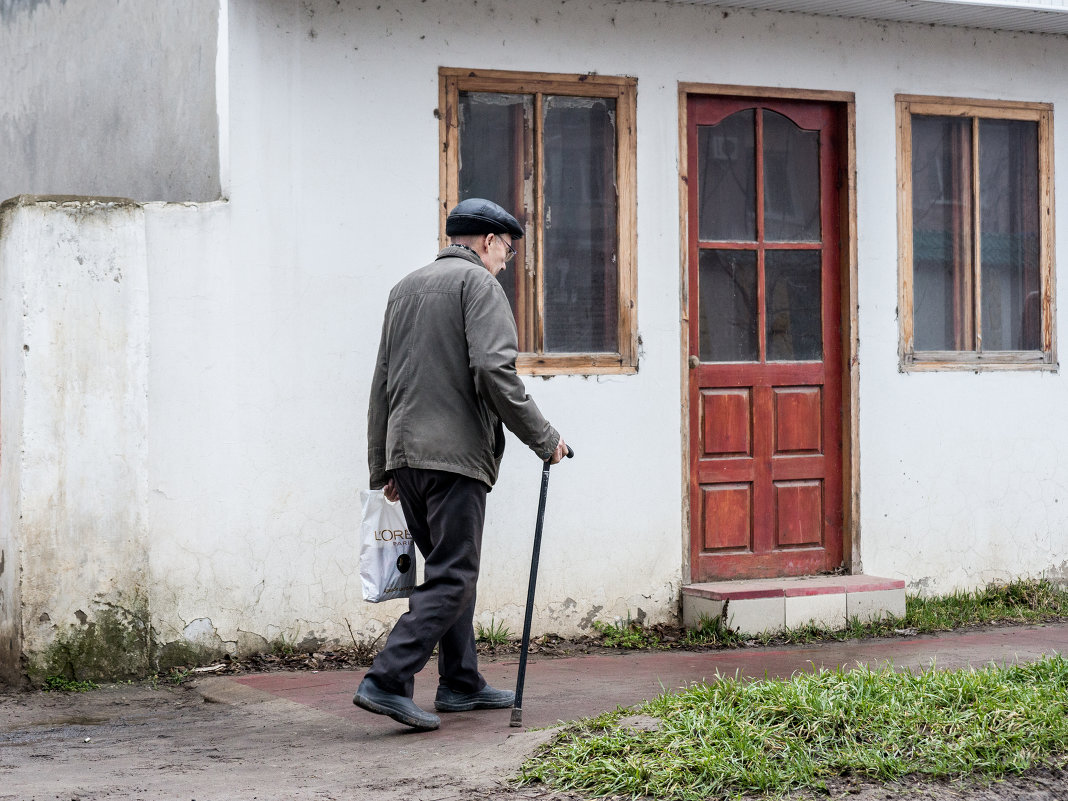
column 480, row 216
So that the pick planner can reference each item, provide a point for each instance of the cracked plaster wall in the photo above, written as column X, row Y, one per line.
column 11, row 414
column 266, row 314
column 109, row 98
column 73, row 383
column 285, row 341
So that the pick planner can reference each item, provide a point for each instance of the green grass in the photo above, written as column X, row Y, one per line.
column 61, row 684
column 1020, row 601
column 494, row 634
column 626, row 634
column 737, row 736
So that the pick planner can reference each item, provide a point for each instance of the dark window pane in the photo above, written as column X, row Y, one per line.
column 580, row 282
column 791, row 181
column 1009, row 226
column 727, row 180
column 493, row 133
column 942, row 243
column 728, row 306
column 794, row 323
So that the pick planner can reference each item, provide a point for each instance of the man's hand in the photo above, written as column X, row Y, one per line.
column 390, row 491
column 559, row 453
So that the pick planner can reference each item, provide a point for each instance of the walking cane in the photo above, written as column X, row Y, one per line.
column 517, row 706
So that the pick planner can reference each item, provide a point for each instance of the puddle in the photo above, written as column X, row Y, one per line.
column 57, row 723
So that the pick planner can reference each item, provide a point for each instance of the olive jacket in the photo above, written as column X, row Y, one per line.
column 445, row 378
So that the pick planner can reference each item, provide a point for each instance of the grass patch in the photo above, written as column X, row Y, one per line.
column 494, row 634
column 1022, row 601
column 626, row 634
column 1016, row 602
column 737, row 736
column 61, row 684
column 710, row 632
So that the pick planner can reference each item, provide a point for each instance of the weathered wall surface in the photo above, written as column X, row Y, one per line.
column 951, row 464
column 109, row 99
column 266, row 313
column 11, row 415
column 261, row 401
column 74, row 375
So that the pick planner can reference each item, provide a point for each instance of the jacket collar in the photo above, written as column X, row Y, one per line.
column 457, row 251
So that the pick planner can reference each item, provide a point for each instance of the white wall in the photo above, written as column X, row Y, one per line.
column 334, row 188
column 73, row 383
column 109, row 98
column 266, row 313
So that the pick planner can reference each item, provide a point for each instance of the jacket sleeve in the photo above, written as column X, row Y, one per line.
column 378, row 413
column 492, row 346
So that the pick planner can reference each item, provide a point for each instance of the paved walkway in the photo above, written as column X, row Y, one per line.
column 483, row 748
column 570, row 688
column 298, row 735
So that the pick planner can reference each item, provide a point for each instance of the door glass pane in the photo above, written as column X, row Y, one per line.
column 728, row 306
column 727, row 179
column 580, row 282
column 794, row 330
column 493, row 152
column 1009, row 230
column 791, row 181
column 942, row 233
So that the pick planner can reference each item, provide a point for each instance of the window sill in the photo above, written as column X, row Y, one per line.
column 574, row 364
column 954, row 361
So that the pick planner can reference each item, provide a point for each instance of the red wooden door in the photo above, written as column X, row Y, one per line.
column 765, row 337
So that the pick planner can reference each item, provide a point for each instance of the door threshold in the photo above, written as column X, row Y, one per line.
column 764, row 606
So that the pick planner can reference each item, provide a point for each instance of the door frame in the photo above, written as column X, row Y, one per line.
column 848, row 276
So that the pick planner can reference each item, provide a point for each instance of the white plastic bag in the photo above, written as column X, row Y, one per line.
column 387, row 550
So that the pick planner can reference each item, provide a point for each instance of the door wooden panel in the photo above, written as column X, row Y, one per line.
column 727, row 423
column 765, row 337
column 798, row 513
column 728, row 517
column 798, row 420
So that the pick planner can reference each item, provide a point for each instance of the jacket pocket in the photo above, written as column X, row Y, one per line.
column 498, row 439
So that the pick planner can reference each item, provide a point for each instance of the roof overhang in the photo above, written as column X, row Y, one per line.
column 1031, row 16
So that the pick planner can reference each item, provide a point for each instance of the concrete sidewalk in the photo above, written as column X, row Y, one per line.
column 482, row 748
column 575, row 687
column 298, row 735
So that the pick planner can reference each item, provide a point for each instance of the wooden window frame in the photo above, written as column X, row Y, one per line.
column 451, row 81
column 910, row 359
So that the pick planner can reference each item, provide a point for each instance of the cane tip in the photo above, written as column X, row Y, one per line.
column 517, row 717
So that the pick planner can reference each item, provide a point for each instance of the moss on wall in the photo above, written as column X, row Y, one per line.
column 118, row 643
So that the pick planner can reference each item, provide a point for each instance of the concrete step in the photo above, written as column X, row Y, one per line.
column 758, row 606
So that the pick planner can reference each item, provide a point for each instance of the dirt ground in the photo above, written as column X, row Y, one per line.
column 214, row 738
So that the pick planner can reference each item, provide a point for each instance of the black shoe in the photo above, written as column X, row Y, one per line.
column 486, row 698
column 401, row 708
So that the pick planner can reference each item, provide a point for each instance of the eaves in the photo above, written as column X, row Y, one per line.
column 1031, row 16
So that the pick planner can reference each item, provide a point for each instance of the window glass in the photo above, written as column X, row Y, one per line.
column 492, row 137
column 792, row 280
column 791, row 181
column 1009, row 244
column 976, row 277
column 726, row 160
column 728, row 326
column 580, row 235
column 942, row 232
column 558, row 152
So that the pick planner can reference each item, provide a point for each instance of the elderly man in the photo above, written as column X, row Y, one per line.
column 444, row 383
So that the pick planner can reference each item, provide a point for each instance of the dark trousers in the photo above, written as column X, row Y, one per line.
column 445, row 513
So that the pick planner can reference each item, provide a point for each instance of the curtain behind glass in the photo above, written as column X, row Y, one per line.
column 1009, row 230
column 580, row 204
column 492, row 136
column 942, row 246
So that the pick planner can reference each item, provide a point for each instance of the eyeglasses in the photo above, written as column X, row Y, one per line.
column 511, row 250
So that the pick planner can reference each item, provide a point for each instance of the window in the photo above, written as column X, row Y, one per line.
column 975, row 234
column 558, row 152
